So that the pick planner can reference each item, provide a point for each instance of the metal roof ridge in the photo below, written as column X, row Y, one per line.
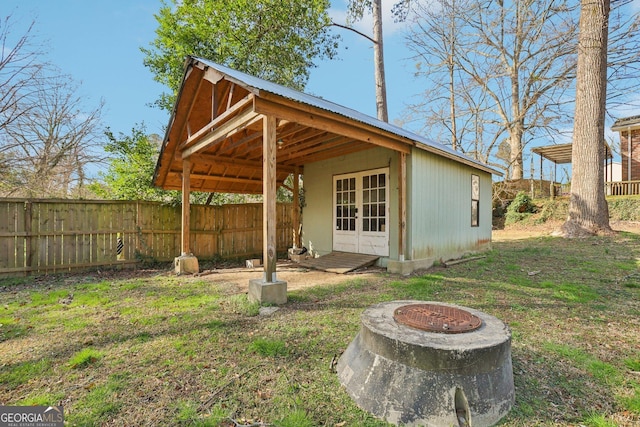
column 260, row 84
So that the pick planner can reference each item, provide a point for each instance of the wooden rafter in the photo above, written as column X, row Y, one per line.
column 226, row 144
column 308, row 116
column 216, row 123
column 229, row 128
column 232, row 145
column 182, row 120
column 220, row 160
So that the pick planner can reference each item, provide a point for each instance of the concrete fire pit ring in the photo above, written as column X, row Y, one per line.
column 412, row 376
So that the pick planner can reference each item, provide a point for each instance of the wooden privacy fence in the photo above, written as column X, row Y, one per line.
column 41, row 236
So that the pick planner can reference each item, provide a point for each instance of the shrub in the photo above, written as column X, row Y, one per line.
column 520, row 208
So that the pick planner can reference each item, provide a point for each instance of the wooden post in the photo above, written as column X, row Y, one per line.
column 541, row 190
column 28, row 236
column 296, row 209
column 186, row 222
column 269, row 197
column 402, row 202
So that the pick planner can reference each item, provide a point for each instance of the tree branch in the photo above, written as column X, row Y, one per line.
column 355, row 31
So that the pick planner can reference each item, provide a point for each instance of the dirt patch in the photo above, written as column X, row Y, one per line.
column 296, row 277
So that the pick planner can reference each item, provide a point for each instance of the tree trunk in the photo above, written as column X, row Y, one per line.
column 515, row 144
column 452, row 86
column 588, row 210
column 516, row 129
column 378, row 56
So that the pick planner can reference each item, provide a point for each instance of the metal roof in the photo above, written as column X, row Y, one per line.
column 259, row 84
column 561, row 153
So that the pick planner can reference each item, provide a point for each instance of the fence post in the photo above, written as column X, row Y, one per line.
column 27, row 236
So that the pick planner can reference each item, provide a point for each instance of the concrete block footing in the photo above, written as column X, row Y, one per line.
column 267, row 292
column 186, row 264
column 408, row 266
column 254, row 263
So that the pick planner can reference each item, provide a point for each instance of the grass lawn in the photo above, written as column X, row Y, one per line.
column 149, row 348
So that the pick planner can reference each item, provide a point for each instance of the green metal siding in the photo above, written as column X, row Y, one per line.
column 439, row 208
column 438, row 203
column 317, row 215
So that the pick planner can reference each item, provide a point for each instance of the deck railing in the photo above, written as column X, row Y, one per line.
column 622, row 188
column 618, row 188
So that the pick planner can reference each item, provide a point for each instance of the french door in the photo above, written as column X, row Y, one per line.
column 361, row 212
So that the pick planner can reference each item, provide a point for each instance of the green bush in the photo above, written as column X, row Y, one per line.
column 520, row 208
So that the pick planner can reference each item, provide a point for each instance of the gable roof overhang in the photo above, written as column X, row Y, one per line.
column 217, row 125
column 627, row 123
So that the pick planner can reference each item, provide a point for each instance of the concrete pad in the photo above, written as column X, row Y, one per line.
column 268, row 292
column 186, row 264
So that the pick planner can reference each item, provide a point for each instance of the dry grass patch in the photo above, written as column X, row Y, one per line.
column 149, row 348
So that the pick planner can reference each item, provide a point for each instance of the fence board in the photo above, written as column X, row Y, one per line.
column 40, row 236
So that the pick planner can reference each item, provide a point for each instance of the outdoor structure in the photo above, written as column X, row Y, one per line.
column 369, row 187
column 629, row 129
column 561, row 154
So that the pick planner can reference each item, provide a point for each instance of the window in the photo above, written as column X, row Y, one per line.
column 475, row 200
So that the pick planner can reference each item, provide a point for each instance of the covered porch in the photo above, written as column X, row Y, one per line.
column 231, row 132
column 561, row 154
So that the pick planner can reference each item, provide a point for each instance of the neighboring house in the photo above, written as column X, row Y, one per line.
column 613, row 172
column 369, row 187
column 629, row 129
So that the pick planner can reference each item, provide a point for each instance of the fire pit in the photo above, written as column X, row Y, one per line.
column 428, row 363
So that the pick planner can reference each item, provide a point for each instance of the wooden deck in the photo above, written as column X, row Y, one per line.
column 339, row 262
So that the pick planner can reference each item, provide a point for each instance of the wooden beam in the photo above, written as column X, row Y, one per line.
column 269, row 197
column 296, row 209
column 225, row 178
column 233, row 86
column 216, row 122
column 314, row 146
column 186, row 207
column 230, row 161
column 402, row 203
column 214, row 102
column 308, row 116
column 233, row 126
column 184, row 118
column 227, row 147
column 340, row 150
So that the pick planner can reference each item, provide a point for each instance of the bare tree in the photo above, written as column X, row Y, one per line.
column 623, row 56
column 435, row 48
column 48, row 147
column 47, row 137
column 588, row 210
column 20, row 65
column 519, row 54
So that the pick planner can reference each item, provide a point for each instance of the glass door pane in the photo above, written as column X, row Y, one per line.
column 346, row 204
column 374, row 196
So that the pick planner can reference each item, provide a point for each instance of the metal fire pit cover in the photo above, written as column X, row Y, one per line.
column 437, row 318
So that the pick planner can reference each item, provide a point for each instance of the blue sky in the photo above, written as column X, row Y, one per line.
column 98, row 44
